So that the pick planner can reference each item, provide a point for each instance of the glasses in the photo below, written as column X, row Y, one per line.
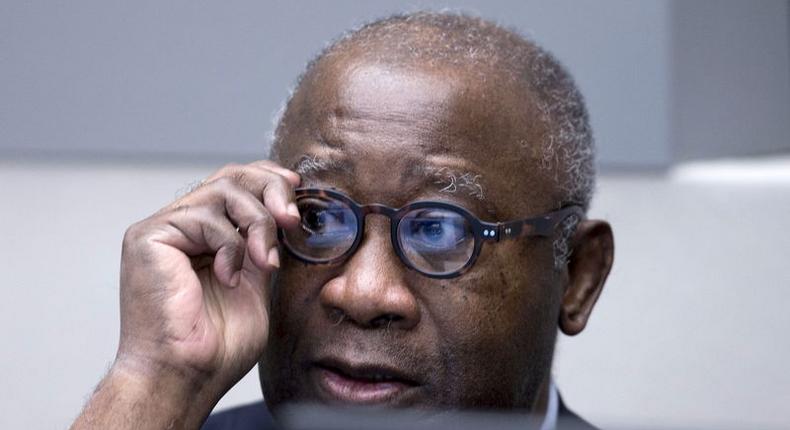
column 436, row 239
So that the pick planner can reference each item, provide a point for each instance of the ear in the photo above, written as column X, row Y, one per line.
column 592, row 254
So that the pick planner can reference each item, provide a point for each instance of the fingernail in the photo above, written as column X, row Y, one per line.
column 274, row 257
column 293, row 210
column 235, row 279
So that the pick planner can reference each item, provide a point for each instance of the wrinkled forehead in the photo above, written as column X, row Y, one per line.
column 457, row 107
column 408, row 118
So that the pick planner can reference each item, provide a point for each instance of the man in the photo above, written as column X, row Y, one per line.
column 365, row 297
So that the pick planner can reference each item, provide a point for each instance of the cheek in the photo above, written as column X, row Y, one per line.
column 490, row 317
column 295, row 298
column 505, row 296
column 499, row 324
column 295, row 311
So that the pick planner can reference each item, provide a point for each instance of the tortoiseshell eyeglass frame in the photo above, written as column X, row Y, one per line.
column 539, row 226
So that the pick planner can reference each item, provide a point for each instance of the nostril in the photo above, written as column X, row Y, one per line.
column 385, row 320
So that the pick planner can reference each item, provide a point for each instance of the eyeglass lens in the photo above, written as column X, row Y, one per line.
column 434, row 241
column 327, row 230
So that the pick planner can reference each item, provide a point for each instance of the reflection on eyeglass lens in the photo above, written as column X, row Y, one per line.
column 326, row 224
column 435, row 231
column 432, row 240
column 436, row 240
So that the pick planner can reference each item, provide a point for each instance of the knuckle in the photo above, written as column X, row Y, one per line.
column 239, row 177
column 260, row 181
column 133, row 234
column 243, row 178
column 225, row 186
column 225, row 170
column 266, row 220
column 278, row 183
column 222, row 171
column 225, row 182
column 200, row 214
column 229, row 169
column 267, row 164
column 232, row 246
column 136, row 242
column 238, row 242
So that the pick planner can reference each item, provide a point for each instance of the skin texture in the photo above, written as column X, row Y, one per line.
column 199, row 307
column 484, row 340
column 195, row 292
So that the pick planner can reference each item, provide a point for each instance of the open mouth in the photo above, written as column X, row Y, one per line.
column 361, row 384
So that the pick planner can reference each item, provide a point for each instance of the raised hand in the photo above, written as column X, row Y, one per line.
column 195, row 281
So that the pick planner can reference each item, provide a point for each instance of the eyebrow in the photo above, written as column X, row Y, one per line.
column 461, row 182
column 455, row 180
column 315, row 166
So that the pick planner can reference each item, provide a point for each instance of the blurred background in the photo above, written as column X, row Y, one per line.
column 109, row 109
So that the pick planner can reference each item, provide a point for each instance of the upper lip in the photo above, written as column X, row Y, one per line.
column 373, row 372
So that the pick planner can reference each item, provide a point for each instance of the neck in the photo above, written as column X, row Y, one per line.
column 542, row 400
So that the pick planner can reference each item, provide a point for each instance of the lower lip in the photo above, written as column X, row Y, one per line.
column 350, row 390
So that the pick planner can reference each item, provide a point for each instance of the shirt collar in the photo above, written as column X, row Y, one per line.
column 552, row 409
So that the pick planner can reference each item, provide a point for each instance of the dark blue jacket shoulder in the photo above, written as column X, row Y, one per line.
column 254, row 416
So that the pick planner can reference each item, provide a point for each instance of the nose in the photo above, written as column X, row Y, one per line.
column 371, row 291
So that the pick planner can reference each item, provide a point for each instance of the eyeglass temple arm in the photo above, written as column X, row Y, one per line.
column 543, row 226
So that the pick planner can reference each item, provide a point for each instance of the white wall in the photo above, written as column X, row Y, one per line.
column 730, row 78
column 688, row 331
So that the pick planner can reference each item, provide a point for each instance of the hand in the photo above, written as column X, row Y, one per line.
column 195, row 278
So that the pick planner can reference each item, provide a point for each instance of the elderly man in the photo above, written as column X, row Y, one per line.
column 416, row 240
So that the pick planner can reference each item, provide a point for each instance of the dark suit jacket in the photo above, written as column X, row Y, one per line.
column 256, row 416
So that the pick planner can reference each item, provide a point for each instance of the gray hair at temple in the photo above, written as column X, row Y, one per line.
column 567, row 151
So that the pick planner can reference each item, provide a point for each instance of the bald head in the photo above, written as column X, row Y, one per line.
column 488, row 55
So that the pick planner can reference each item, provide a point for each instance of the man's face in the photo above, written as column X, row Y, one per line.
column 369, row 330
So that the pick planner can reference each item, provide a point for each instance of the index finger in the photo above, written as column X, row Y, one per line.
column 274, row 190
column 290, row 175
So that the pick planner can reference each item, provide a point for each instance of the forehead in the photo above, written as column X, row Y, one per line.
column 392, row 123
column 443, row 109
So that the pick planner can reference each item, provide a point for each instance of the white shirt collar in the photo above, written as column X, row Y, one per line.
column 552, row 409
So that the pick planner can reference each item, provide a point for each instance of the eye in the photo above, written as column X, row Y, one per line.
column 430, row 230
column 436, row 231
column 314, row 219
column 326, row 223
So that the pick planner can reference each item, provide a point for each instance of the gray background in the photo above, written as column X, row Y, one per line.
column 665, row 80
column 108, row 109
